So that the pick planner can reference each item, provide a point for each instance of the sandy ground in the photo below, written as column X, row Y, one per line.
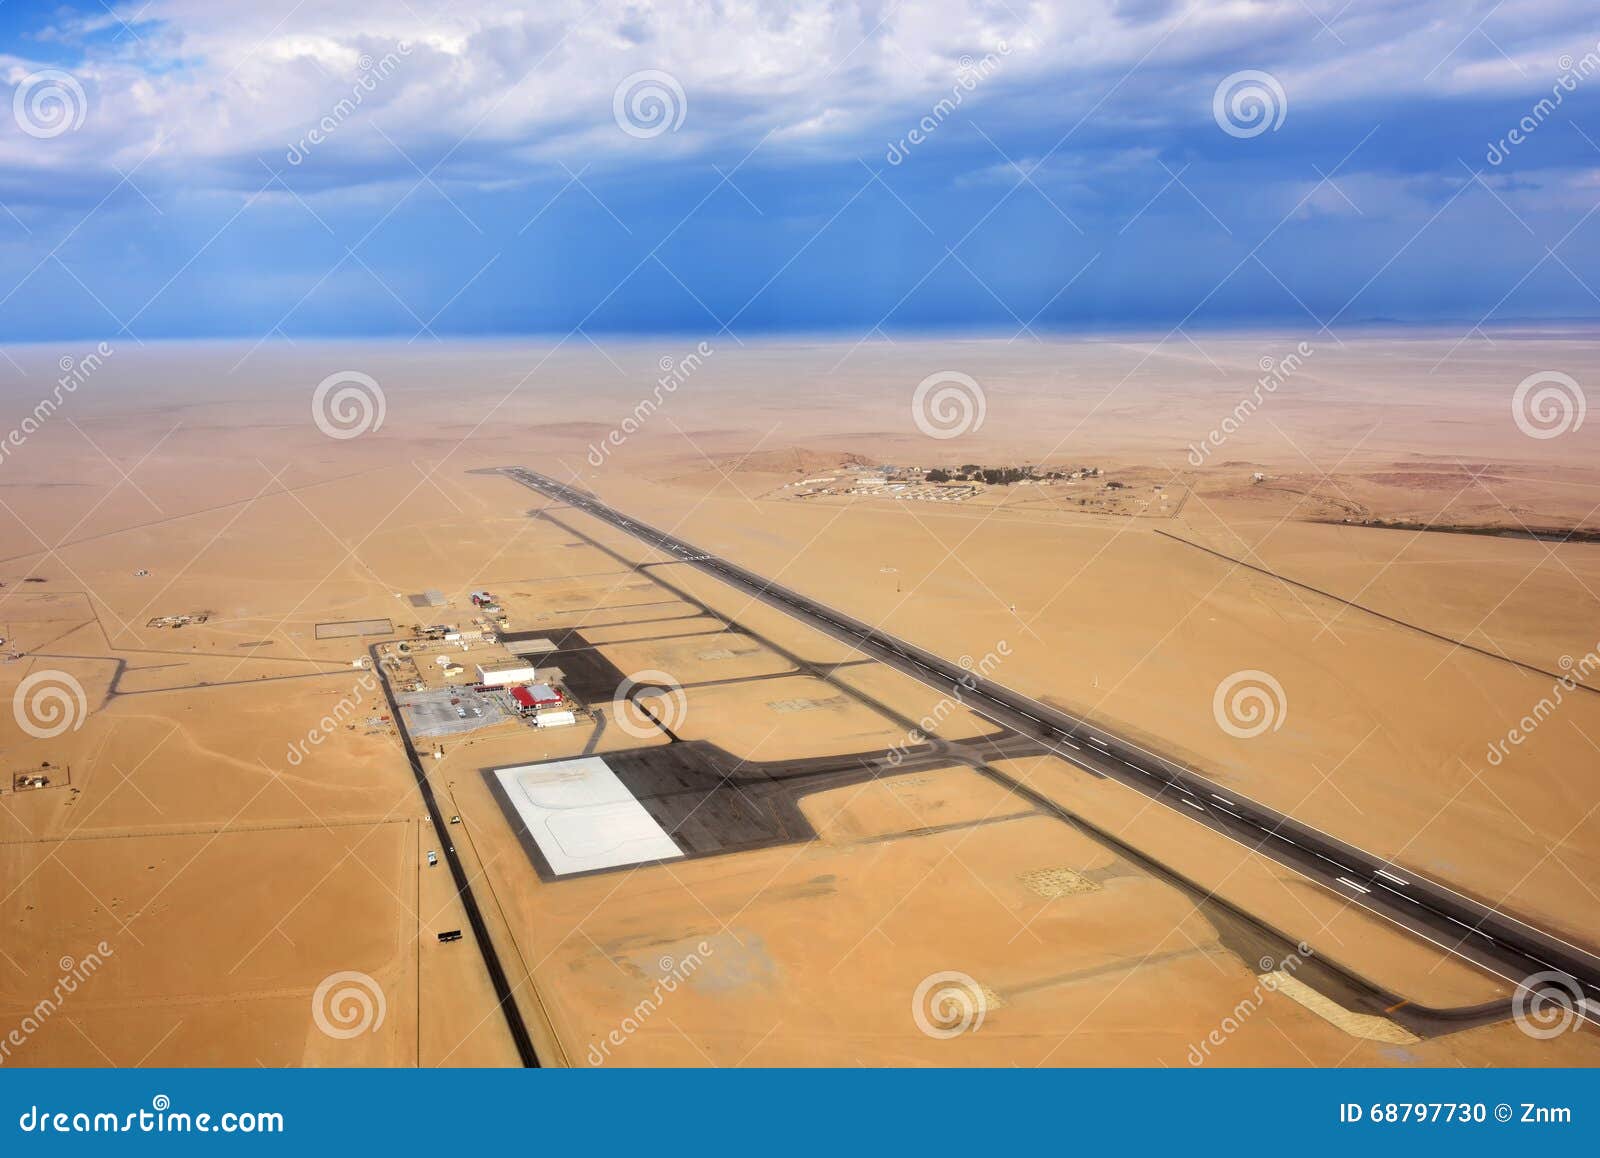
column 231, row 873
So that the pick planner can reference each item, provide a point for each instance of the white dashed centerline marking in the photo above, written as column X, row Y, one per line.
column 1170, row 774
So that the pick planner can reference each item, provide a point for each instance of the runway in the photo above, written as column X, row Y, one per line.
column 1494, row 940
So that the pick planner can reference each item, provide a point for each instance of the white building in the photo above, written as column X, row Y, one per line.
column 499, row 675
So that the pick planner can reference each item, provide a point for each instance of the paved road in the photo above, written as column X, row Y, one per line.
column 505, row 993
column 1490, row 938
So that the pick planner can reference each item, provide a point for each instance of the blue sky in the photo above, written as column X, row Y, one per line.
column 486, row 182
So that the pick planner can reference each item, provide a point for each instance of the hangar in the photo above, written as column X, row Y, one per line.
column 499, row 675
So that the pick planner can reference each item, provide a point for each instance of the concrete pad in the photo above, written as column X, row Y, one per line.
column 582, row 817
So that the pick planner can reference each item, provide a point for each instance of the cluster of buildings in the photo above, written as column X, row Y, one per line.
column 177, row 620
column 921, row 492
column 491, row 616
column 931, row 484
column 887, row 482
column 515, row 685
column 530, row 696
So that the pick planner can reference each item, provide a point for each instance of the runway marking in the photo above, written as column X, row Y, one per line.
column 718, row 566
column 1193, row 805
column 1358, row 887
column 1224, row 800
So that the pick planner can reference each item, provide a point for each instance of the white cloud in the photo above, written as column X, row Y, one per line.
column 217, row 83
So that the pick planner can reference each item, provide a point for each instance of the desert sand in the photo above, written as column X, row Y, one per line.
column 231, row 812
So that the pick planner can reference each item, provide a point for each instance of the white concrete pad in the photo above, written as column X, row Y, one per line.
column 582, row 817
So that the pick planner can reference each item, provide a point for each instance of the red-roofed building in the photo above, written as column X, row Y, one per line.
column 535, row 696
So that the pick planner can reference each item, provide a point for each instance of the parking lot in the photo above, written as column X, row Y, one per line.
column 449, row 711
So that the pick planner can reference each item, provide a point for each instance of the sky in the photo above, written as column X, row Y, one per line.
column 437, row 168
